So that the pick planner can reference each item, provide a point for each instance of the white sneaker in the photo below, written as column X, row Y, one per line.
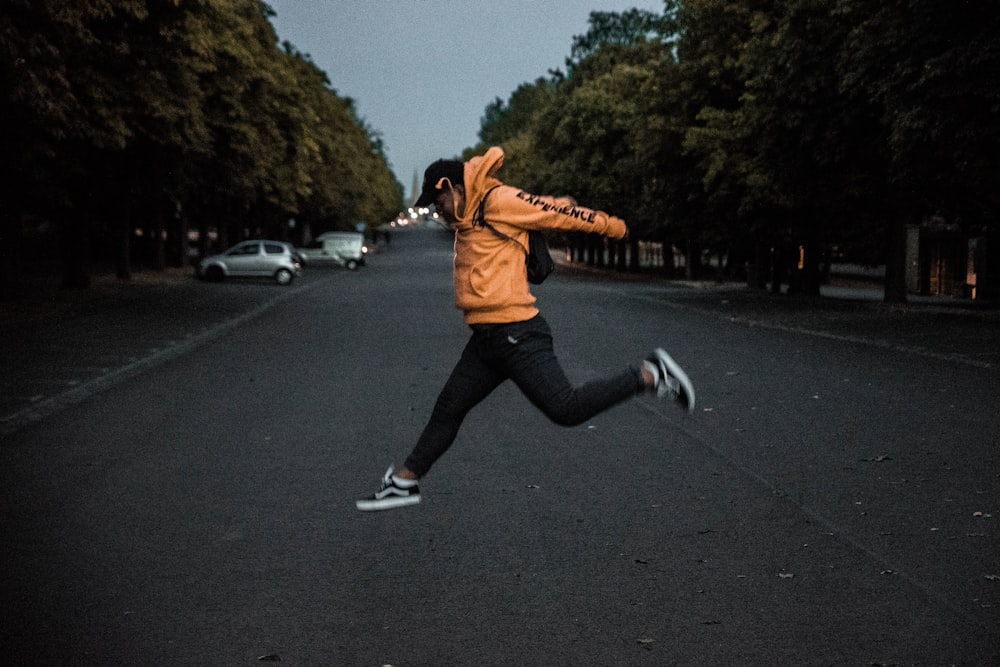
column 390, row 495
column 671, row 380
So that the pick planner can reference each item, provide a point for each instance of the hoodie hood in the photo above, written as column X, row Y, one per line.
column 480, row 177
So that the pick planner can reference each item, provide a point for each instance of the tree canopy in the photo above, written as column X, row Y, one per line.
column 772, row 126
column 754, row 131
column 156, row 116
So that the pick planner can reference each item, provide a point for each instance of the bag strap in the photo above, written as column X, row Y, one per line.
column 480, row 218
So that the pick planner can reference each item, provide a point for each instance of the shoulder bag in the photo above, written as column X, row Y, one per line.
column 537, row 258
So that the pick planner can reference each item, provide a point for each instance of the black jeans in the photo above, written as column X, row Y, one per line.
column 522, row 352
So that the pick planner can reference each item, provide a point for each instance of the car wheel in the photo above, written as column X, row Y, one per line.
column 214, row 274
column 352, row 264
column 283, row 277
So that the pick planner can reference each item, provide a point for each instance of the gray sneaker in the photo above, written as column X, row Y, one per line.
column 389, row 496
column 672, row 382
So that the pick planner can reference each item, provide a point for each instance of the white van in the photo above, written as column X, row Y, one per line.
column 342, row 248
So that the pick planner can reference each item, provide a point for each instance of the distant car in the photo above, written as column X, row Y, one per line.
column 253, row 259
column 342, row 248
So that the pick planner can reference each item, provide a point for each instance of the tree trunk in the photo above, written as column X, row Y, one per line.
column 591, row 250
column 693, row 268
column 778, row 264
column 74, row 241
column 988, row 269
column 222, row 229
column 177, row 235
column 895, row 265
column 758, row 272
column 579, row 246
column 159, row 243
column 10, row 255
column 203, row 241
column 669, row 267
column 123, row 258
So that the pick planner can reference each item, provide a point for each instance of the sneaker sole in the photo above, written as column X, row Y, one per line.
column 675, row 370
column 386, row 503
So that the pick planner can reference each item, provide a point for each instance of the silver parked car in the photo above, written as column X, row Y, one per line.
column 253, row 259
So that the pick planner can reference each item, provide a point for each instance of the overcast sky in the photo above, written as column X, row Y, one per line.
column 421, row 72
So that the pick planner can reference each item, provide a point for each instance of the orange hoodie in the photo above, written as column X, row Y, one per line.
column 491, row 281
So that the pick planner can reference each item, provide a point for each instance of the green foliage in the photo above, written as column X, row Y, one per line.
column 735, row 127
column 631, row 28
column 931, row 69
column 126, row 108
column 771, row 123
column 504, row 121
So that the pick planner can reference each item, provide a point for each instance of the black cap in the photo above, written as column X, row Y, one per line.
column 453, row 170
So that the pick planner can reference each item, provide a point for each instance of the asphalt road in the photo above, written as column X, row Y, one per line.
column 178, row 479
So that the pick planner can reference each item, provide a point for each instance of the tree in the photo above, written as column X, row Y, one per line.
column 809, row 146
column 591, row 137
column 930, row 70
column 345, row 178
column 586, row 139
column 50, row 88
column 734, row 209
column 620, row 29
column 788, row 126
column 128, row 115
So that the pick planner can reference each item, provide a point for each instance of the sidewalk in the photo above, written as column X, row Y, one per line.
column 941, row 327
column 62, row 346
